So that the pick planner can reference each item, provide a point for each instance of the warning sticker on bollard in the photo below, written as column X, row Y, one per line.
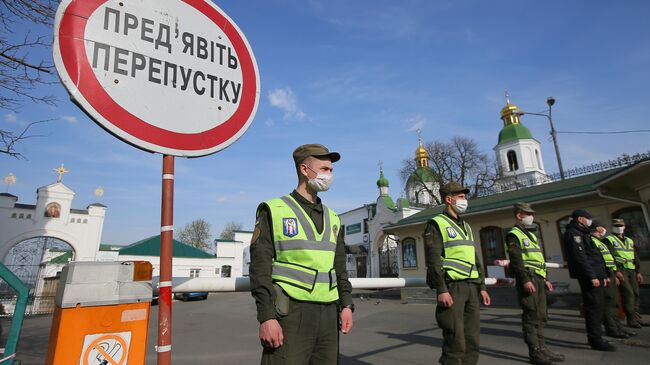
column 106, row 349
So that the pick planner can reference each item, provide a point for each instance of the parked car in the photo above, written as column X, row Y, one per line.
column 191, row 296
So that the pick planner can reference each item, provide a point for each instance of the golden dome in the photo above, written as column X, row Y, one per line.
column 421, row 154
column 510, row 113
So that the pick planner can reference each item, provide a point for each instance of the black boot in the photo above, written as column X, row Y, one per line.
column 552, row 355
column 602, row 345
column 537, row 357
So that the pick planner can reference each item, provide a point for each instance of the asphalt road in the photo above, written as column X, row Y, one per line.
column 223, row 330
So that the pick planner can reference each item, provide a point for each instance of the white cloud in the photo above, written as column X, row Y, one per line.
column 285, row 99
column 415, row 123
column 70, row 119
column 11, row 118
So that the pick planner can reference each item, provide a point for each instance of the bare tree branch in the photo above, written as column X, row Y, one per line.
column 196, row 234
column 9, row 139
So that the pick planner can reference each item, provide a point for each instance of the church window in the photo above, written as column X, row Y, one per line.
column 512, row 161
column 29, row 216
column 194, row 273
column 21, row 216
column 539, row 162
column 14, row 215
column 409, row 253
column 492, row 244
column 365, row 225
column 85, row 220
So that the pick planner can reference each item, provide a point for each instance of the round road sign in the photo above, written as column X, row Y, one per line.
column 176, row 77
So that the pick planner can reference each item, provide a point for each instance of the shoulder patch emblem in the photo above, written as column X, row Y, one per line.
column 290, row 227
column 615, row 244
column 577, row 239
column 526, row 242
column 451, row 233
column 335, row 230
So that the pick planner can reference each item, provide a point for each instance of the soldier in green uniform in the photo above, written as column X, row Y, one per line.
column 529, row 266
column 613, row 327
column 455, row 272
column 628, row 264
column 297, row 270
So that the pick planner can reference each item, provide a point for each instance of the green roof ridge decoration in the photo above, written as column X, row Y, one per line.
column 514, row 132
column 151, row 247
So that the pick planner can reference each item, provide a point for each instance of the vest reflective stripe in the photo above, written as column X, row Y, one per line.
column 304, row 260
column 607, row 255
column 459, row 261
column 303, row 277
column 305, row 245
column 531, row 254
column 623, row 251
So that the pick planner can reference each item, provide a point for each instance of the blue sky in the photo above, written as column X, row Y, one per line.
column 361, row 77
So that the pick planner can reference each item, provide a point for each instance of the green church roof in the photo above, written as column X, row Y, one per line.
column 554, row 190
column 422, row 175
column 514, row 132
column 388, row 202
column 62, row 259
column 151, row 247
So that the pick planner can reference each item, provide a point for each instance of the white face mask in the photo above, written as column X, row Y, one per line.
column 588, row 222
column 321, row 182
column 528, row 220
column 460, row 206
column 618, row 230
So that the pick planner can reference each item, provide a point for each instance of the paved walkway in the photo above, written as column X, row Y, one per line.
column 223, row 330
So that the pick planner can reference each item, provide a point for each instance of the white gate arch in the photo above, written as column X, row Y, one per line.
column 51, row 216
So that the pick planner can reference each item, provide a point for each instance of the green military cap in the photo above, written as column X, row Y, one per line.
column 314, row 150
column 523, row 207
column 453, row 187
column 618, row 222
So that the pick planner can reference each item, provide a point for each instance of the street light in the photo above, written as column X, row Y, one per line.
column 550, row 101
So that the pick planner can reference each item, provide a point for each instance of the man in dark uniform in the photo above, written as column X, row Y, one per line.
column 586, row 264
column 528, row 264
column 455, row 272
column 629, row 266
column 613, row 327
column 297, row 270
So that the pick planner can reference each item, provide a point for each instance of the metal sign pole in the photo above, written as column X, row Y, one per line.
column 164, row 347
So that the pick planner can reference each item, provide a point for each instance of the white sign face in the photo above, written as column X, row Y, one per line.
column 171, row 76
column 106, row 348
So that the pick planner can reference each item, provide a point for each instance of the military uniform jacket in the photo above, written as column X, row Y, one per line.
column 584, row 258
column 263, row 251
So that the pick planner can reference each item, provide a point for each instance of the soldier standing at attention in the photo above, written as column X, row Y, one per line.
column 529, row 266
column 613, row 327
column 586, row 264
column 455, row 272
column 297, row 270
column 628, row 265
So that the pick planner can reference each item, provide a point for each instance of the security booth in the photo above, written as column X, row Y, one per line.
column 101, row 314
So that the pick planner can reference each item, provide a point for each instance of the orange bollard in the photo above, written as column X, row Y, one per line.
column 101, row 314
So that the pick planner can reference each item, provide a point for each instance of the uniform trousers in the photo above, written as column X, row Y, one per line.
column 630, row 294
column 534, row 316
column 460, row 324
column 311, row 336
column 612, row 324
column 593, row 300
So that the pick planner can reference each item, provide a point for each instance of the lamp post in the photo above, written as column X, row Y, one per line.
column 551, row 101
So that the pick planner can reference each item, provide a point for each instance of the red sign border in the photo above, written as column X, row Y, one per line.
column 71, row 34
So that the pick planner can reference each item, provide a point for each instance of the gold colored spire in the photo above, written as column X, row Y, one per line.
column 421, row 154
column 510, row 113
